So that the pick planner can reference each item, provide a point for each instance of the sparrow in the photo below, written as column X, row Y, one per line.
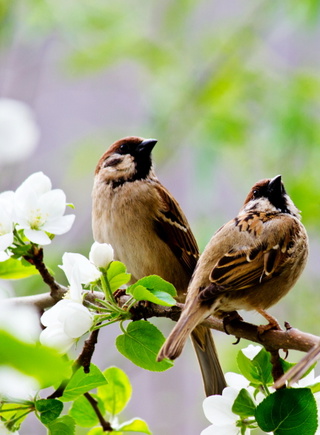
column 250, row 263
column 138, row 216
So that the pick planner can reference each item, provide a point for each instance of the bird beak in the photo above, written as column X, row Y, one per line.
column 146, row 146
column 275, row 185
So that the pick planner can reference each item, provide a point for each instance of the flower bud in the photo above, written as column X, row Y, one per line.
column 101, row 254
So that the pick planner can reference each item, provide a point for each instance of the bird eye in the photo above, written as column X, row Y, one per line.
column 255, row 193
column 124, row 148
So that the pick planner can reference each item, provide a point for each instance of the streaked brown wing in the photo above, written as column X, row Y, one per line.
column 239, row 269
column 172, row 227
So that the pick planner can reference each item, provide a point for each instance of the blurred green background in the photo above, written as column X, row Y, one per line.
column 230, row 89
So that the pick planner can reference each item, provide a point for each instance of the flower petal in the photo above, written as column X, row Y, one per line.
column 25, row 206
column 55, row 336
column 236, row 381
column 4, row 256
column 217, row 409
column 229, row 429
column 36, row 236
column 78, row 322
column 53, row 203
column 51, row 316
column 87, row 271
column 7, row 201
column 36, row 182
column 59, row 225
column 251, row 351
column 5, row 241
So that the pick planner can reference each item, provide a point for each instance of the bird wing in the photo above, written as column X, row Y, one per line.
column 248, row 264
column 172, row 227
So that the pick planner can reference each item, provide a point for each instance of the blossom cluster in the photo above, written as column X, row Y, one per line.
column 35, row 213
column 69, row 319
column 35, row 208
column 220, row 411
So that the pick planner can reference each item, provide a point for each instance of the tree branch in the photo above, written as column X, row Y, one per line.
column 84, row 359
column 106, row 426
column 35, row 257
column 45, row 300
column 290, row 338
column 272, row 340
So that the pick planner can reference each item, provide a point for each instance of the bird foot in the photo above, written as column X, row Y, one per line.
column 229, row 318
column 273, row 323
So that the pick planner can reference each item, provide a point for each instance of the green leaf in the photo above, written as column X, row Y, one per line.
column 141, row 343
column 83, row 413
column 286, row 365
column 49, row 409
column 154, row 283
column 288, row 412
column 244, row 406
column 315, row 388
column 117, row 393
column 258, row 370
column 15, row 413
column 141, row 293
column 82, row 382
column 117, row 275
column 134, row 425
column 15, row 269
column 44, row 364
column 99, row 431
column 62, row 426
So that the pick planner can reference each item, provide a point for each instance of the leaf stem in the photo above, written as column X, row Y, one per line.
column 106, row 289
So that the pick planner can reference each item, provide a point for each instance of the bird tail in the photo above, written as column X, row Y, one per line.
column 212, row 374
column 205, row 349
column 174, row 344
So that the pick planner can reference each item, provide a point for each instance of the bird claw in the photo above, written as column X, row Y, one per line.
column 229, row 318
column 273, row 323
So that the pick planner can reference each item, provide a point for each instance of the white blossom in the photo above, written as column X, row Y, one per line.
column 68, row 320
column 251, row 351
column 39, row 210
column 78, row 269
column 6, row 222
column 236, row 381
column 19, row 133
column 101, row 254
column 75, row 318
column 217, row 410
